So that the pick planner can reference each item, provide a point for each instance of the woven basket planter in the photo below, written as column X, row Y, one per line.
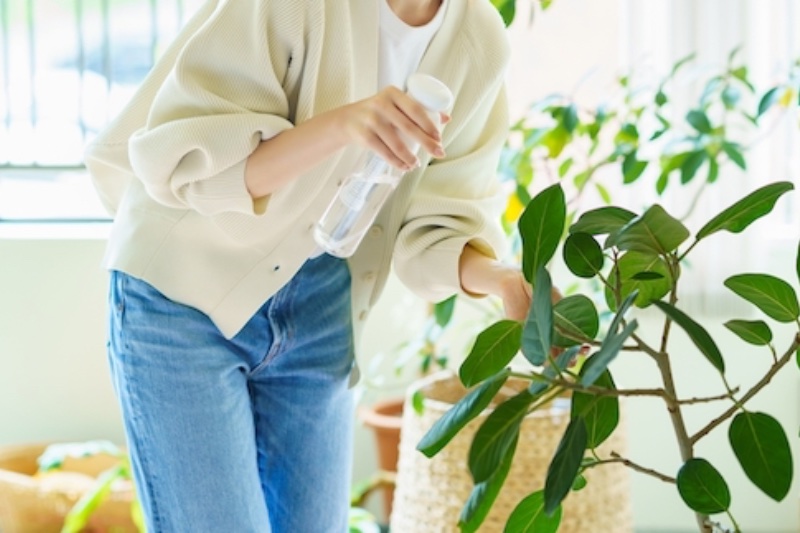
column 31, row 503
column 430, row 493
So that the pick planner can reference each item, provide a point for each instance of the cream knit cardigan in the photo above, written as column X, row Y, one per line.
column 170, row 167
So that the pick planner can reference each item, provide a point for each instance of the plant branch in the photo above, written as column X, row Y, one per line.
column 708, row 399
column 674, row 408
column 692, row 206
column 602, row 391
column 774, row 369
column 617, row 459
column 646, row 348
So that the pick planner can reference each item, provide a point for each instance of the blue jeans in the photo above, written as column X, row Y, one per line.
column 252, row 434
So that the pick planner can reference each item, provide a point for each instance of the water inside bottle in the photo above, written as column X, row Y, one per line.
column 349, row 217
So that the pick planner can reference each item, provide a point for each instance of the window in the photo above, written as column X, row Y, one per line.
column 66, row 68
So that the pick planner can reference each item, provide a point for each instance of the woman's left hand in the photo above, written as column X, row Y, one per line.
column 516, row 293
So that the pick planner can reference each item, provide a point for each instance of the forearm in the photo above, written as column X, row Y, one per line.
column 481, row 274
column 281, row 159
column 382, row 123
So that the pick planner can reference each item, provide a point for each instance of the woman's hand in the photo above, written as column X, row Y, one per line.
column 483, row 275
column 516, row 293
column 382, row 122
column 378, row 123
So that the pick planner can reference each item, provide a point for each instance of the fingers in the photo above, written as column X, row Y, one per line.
column 419, row 126
column 391, row 120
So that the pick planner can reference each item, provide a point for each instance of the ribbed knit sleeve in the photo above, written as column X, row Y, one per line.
column 457, row 202
column 223, row 96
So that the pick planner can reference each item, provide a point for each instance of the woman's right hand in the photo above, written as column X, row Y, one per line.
column 381, row 122
column 378, row 123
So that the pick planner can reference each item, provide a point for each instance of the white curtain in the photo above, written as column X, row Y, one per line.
column 657, row 33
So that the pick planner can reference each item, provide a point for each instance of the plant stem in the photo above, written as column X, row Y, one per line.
column 602, row 391
column 693, row 205
column 707, row 399
column 774, row 369
column 685, row 444
column 674, row 408
column 616, row 458
column 676, row 416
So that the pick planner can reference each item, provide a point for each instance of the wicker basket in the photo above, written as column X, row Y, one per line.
column 431, row 492
column 30, row 503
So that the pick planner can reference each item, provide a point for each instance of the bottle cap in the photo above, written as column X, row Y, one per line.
column 429, row 91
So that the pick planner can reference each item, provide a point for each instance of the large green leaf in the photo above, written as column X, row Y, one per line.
column 602, row 220
column 609, row 350
column 734, row 153
column 601, row 413
column 540, row 228
column 746, row 211
column 575, row 318
column 484, row 494
column 564, row 467
column 775, row 297
column 632, row 167
column 699, row 121
column 494, row 348
column 767, row 101
column 697, row 333
column 692, row 164
column 798, row 261
column 760, row 444
column 458, row 416
column 537, row 335
column 611, row 346
column 507, row 9
column 702, row 487
column 583, row 255
column 77, row 518
column 654, row 232
column 494, row 438
column 753, row 331
column 529, row 516
column 561, row 362
column 646, row 274
column 443, row 311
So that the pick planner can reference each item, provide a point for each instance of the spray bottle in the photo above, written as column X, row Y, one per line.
column 365, row 190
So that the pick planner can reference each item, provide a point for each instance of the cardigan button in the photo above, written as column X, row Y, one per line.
column 362, row 315
column 369, row 276
column 375, row 231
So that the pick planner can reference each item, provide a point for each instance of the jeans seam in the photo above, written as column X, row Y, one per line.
column 136, row 415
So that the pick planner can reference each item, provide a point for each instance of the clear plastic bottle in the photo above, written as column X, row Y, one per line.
column 363, row 192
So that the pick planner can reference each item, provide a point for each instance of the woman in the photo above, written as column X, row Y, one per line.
column 231, row 340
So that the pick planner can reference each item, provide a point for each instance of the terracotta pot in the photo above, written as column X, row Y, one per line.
column 385, row 419
column 38, row 503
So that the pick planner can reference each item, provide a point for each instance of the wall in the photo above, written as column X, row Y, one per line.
column 53, row 380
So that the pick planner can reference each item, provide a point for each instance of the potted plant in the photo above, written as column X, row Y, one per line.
column 67, row 487
column 639, row 260
column 630, row 262
column 638, row 136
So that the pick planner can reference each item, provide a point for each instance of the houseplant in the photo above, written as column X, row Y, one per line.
column 640, row 263
column 642, row 134
column 635, row 261
column 67, row 487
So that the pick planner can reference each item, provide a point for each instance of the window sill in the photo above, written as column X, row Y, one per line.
column 55, row 230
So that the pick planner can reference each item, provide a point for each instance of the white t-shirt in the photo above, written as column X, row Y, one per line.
column 402, row 46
